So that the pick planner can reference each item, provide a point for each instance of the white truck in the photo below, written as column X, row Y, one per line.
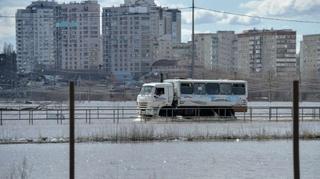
column 189, row 97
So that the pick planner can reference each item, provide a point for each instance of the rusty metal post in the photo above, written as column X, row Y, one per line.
column 31, row 117
column 296, row 161
column 57, row 116
column 71, row 130
column 118, row 115
column 86, row 116
column 89, row 116
column 61, row 116
column 270, row 113
column 98, row 114
column 171, row 114
column 114, row 116
column 29, row 121
column 1, row 117
column 166, row 115
column 122, row 113
column 313, row 114
column 46, row 114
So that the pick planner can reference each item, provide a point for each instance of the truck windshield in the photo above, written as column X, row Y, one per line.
column 146, row 90
column 159, row 91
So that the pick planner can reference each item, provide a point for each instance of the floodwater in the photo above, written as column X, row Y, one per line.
column 163, row 160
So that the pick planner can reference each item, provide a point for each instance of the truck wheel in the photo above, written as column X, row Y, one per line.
column 230, row 112
column 167, row 112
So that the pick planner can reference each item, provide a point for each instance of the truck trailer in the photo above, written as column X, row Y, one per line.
column 190, row 97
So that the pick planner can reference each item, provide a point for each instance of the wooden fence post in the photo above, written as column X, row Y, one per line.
column 296, row 161
column 71, row 129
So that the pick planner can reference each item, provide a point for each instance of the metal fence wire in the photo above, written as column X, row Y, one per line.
column 124, row 113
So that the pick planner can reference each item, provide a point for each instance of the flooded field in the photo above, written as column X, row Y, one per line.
column 220, row 148
column 233, row 159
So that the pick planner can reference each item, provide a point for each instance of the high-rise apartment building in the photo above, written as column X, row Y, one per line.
column 162, row 48
column 265, row 51
column 310, row 56
column 35, row 39
column 204, row 47
column 131, row 32
column 216, row 50
column 78, row 36
column 60, row 36
column 225, row 51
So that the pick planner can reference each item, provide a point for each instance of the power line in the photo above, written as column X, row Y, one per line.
column 259, row 17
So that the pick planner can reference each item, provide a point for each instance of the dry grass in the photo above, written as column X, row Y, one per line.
column 153, row 132
column 139, row 132
column 20, row 171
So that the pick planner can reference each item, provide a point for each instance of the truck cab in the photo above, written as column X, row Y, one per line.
column 153, row 97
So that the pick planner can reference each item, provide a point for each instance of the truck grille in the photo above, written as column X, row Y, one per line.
column 143, row 104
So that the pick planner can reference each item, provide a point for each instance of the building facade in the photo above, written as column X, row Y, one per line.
column 177, row 63
column 162, row 48
column 182, row 51
column 216, row 50
column 58, row 36
column 78, row 36
column 35, row 36
column 310, row 56
column 170, row 68
column 132, row 32
column 267, row 51
column 204, row 47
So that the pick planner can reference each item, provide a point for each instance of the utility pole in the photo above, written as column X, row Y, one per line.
column 193, row 46
column 300, row 83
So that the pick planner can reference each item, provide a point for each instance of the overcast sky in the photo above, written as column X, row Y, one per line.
column 206, row 21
